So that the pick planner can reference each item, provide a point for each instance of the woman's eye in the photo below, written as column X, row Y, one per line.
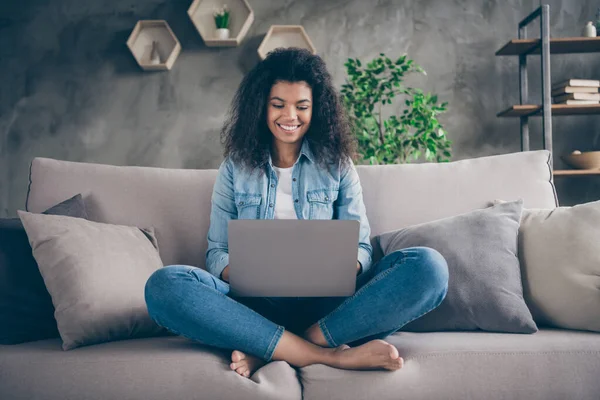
column 281, row 106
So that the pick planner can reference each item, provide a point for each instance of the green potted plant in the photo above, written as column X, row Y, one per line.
column 415, row 133
column 222, row 22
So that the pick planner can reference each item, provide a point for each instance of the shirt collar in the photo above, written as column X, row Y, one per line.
column 305, row 149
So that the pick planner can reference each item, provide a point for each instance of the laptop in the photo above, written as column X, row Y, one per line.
column 292, row 258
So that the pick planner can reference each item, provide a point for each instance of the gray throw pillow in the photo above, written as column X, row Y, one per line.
column 484, row 288
column 95, row 274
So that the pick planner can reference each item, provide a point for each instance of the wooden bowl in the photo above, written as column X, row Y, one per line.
column 585, row 160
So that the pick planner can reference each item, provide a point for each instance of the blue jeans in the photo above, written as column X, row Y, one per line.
column 401, row 287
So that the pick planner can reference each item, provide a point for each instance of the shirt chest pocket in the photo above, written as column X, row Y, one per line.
column 321, row 203
column 248, row 205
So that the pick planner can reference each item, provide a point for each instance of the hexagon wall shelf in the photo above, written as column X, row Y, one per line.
column 285, row 36
column 240, row 18
column 140, row 44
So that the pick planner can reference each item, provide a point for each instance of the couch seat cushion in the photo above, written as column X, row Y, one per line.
column 547, row 365
column 146, row 369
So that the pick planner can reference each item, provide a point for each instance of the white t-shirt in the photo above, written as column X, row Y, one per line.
column 284, row 202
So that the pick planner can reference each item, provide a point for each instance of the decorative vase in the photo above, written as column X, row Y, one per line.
column 223, row 33
column 589, row 30
column 154, row 56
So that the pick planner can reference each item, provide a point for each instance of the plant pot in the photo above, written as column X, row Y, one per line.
column 222, row 33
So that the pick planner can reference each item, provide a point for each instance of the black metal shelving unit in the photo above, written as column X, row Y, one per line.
column 544, row 46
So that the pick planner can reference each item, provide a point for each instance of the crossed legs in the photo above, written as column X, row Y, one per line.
column 399, row 288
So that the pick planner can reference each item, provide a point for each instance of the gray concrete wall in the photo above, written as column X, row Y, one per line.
column 71, row 90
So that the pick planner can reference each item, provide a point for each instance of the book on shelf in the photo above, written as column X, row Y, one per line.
column 577, row 102
column 574, row 89
column 577, row 96
column 577, row 82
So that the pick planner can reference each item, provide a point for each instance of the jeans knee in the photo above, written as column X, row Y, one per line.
column 162, row 284
column 433, row 271
column 164, row 277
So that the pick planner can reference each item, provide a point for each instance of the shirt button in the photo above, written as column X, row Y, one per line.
column 294, row 179
column 296, row 200
column 272, row 185
column 241, row 203
column 271, row 205
column 326, row 198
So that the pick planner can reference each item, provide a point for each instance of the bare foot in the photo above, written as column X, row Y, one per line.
column 376, row 354
column 245, row 364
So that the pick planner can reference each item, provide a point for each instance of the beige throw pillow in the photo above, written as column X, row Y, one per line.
column 95, row 274
column 559, row 252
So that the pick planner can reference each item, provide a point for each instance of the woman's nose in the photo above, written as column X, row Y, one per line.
column 289, row 112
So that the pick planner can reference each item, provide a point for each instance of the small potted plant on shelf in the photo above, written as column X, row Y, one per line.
column 222, row 22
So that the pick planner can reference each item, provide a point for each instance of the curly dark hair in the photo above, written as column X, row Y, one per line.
column 246, row 135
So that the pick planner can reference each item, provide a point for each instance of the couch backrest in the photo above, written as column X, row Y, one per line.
column 177, row 201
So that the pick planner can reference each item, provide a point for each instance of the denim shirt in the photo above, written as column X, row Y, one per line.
column 318, row 193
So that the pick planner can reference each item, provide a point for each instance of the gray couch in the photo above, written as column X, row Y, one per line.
column 550, row 364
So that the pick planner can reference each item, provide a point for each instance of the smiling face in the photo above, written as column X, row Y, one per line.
column 289, row 111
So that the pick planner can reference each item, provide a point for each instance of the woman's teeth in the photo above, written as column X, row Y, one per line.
column 289, row 128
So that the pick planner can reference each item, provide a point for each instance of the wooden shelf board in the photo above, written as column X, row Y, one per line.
column 231, row 42
column 534, row 110
column 570, row 172
column 570, row 45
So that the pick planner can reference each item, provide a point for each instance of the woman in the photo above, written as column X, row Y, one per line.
column 288, row 154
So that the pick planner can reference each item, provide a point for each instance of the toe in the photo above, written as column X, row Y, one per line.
column 393, row 352
column 237, row 356
column 242, row 370
column 397, row 363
